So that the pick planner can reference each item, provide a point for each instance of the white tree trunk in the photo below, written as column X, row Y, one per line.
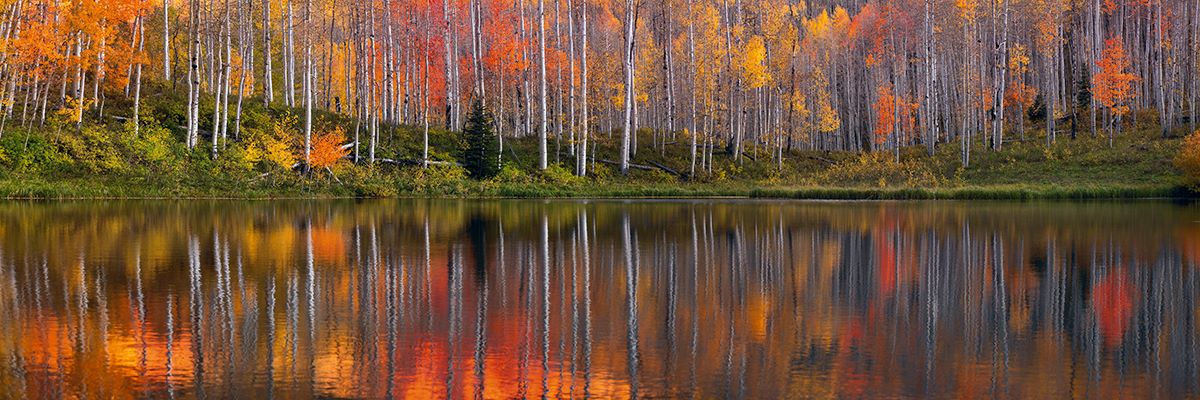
column 581, row 158
column 308, row 95
column 166, row 40
column 268, row 69
column 627, row 131
column 542, row 77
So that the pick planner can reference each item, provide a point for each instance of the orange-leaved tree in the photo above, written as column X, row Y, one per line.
column 328, row 148
column 1113, row 84
column 885, row 115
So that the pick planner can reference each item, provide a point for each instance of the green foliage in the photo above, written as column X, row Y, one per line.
column 556, row 174
column 509, row 173
column 1083, row 90
column 31, row 154
column 481, row 157
column 435, row 180
column 156, row 148
column 96, row 149
column 1037, row 110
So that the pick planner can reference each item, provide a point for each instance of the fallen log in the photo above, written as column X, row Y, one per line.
column 822, row 159
column 405, row 161
column 665, row 168
column 631, row 165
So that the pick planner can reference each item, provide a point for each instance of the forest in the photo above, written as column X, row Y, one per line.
column 782, row 93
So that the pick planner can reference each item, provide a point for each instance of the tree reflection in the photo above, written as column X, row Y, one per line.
column 488, row 299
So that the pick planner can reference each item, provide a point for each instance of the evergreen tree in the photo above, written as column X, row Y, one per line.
column 481, row 154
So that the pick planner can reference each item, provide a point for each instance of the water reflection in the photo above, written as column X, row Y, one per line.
column 498, row 299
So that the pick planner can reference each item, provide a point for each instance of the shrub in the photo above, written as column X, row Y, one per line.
column 155, row 147
column 558, row 175
column 511, row 174
column 1188, row 160
column 94, row 148
column 327, row 149
column 30, row 153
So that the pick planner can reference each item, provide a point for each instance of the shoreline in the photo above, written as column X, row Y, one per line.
column 105, row 189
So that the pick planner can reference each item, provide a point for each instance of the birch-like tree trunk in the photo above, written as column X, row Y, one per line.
column 308, row 95
column 166, row 6
column 627, row 130
column 692, row 67
column 268, row 93
column 571, row 126
column 1000, row 81
column 542, row 77
column 581, row 158
column 289, row 68
column 194, row 77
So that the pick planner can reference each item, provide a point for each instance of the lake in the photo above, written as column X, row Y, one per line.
column 599, row 298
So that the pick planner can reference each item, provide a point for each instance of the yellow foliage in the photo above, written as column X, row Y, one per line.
column 967, row 9
column 1018, row 59
column 827, row 118
column 1188, row 160
column 754, row 63
column 279, row 152
column 279, row 146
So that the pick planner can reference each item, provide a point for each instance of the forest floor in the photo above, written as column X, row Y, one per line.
column 35, row 164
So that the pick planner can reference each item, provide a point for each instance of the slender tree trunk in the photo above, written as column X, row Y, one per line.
column 166, row 6
column 194, row 77
column 290, row 58
column 137, row 76
column 1000, row 81
column 268, row 93
column 1163, row 116
column 542, row 77
column 581, row 158
column 692, row 68
column 425, row 97
column 571, row 76
column 308, row 95
column 627, row 131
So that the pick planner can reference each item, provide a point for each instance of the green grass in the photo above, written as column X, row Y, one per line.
column 106, row 161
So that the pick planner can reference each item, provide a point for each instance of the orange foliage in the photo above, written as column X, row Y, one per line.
column 327, row 149
column 885, row 115
column 1113, row 85
column 328, row 245
column 1113, row 303
column 885, row 111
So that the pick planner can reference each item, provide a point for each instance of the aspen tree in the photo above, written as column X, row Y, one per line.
column 166, row 7
column 542, row 77
column 581, row 158
column 268, row 94
column 629, row 50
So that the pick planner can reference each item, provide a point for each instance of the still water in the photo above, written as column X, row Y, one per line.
column 501, row 299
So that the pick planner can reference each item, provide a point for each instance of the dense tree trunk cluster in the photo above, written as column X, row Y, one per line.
column 748, row 78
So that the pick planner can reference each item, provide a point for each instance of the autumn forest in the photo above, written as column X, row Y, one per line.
column 716, row 81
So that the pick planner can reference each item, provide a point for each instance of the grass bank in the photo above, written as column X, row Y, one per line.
column 59, row 161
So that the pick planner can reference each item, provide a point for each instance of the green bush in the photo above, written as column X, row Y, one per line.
column 557, row 175
column 94, row 148
column 32, row 154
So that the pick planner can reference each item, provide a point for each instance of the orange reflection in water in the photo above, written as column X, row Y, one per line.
column 504, row 299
